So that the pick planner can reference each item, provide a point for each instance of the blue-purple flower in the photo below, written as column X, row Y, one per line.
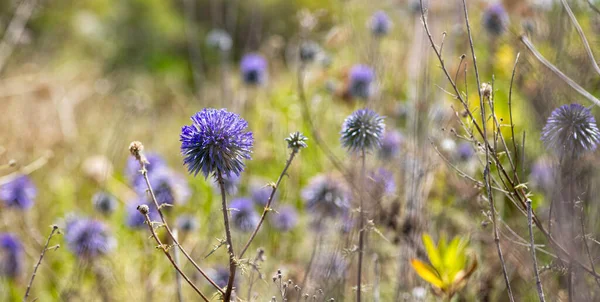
column 216, row 143
column 243, row 215
column 18, row 193
column 168, row 186
column 260, row 192
column 361, row 81
column 285, row 219
column 326, row 196
column 134, row 219
column 88, row 238
column 495, row 19
column 186, row 223
column 309, row 51
column 381, row 182
column 254, row 69
column 465, row 151
column 132, row 170
column 542, row 175
column 104, row 202
column 362, row 131
column 380, row 23
column 571, row 130
column 11, row 256
column 220, row 275
column 391, row 143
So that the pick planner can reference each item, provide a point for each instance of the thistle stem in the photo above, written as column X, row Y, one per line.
column 232, row 264
column 54, row 229
column 361, row 232
column 536, row 271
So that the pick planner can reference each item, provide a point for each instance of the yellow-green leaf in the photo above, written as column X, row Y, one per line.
column 432, row 251
column 427, row 272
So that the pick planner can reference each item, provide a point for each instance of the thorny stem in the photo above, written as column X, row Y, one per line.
column 177, row 276
column 35, row 268
column 586, row 45
column 165, row 250
column 536, row 271
column 232, row 261
column 268, row 205
column 361, row 232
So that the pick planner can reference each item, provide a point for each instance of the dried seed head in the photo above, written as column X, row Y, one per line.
column 136, row 149
column 486, row 90
column 143, row 209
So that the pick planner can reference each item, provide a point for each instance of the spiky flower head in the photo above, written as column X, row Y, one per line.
column 134, row 219
column 254, row 69
column 327, row 196
column 571, row 130
column 187, row 223
column 495, row 19
column 285, row 219
column 132, row 170
column 231, row 184
column 362, row 131
column 18, row 193
column 380, row 23
column 216, row 143
column 361, row 81
column 219, row 39
column 296, row 141
column 104, row 202
column 88, row 238
column 260, row 192
column 11, row 256
column 243, row 215
column 391, row 143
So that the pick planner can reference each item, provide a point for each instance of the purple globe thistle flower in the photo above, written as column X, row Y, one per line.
column 168, row 186
column 286, row 218
column 380, row 24
column 88, row 238
column 243, row 215
column 104, row 202
column 495, row 19
column 216, row 143
column 326, row 196
column 260, row 192
column 186, row 223
column 134, row 219
column 571, row 130
column 18, row 193
column 542, row 175
column 11, row 256
column 220, row 275
column 465, row 151
column 296, row 141
column 219, row 39
column 231, row 184
column 381, row 182
column 391, row 143
column 254, row 69
column 361, row 81
column 362, row 131
column 132, row 170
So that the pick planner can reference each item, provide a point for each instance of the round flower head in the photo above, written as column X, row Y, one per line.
column 168, row 186
column 18, row 193
column 465, row 151
column 254, row 69
column 391, row 144
column 105, row 203
column 380, row 23
column 361, row 80
column 134, row 219
column 243, row 216
column 219, row 39
column 216, row 142
column 187, row 223
column 11, row 256
column 381, row 182
column 309, row 51
column 88, row 238
column 495, row 19
column 326, row 196
column 260, row 192
column 132, row 171
column 542, row 175
column 220, row 275
column 286, row 218
column 231, row 184
column 362, row 131
column 571, row 131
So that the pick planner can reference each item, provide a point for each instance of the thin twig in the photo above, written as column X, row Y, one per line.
column 536, row 271
column 586, row 45
column 15, row 29
column 177, row 276
column 593, row 7
column 232, row 261
column 35, row 268
column 512, row 125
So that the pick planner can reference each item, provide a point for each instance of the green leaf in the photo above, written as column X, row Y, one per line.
column 432, row 251
column 427, row 272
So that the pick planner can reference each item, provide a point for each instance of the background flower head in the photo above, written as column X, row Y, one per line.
column 465, row 151
column 216, row 142
column 361, row 80
column 571, row 130
column 243, row 215
column 285, row 219
column 362, row 131
column 104, row 202
column 132, row 170
column 380, row 23
column 88, row 238
column 187, row 223
column 327, row 196
column 260, row 192
column 495, row 19
column 168, row 186
column 219, row 39
column 230, row 182
column 254, row 69
column 19, row 193
column 11, row 256
column 381, row 182
column 391, row 143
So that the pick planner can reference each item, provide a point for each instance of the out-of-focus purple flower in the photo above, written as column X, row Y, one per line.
column 88, row 238
column 286, row 218
column 362, row 131
column 132, row 171
column 231, row 184
column 309, row 51
column 216, row 142
column 495, row 19
column 542, row 175
column 187, row 223
column 219, row 39
column 254, row 69
column 104, row 202
column 134, row 219
column 571, row 130
column 327, row 196
column 380, row 23
column 465, row 151
column 260, row 192
column 361, row 81
column 381, row 182
column 243, row 215
column 391, row 143
column 168, row 186
column 11, row 256
column 18, row 193
column 220, row 275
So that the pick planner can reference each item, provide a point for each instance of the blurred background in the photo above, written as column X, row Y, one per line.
column 80, row 80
